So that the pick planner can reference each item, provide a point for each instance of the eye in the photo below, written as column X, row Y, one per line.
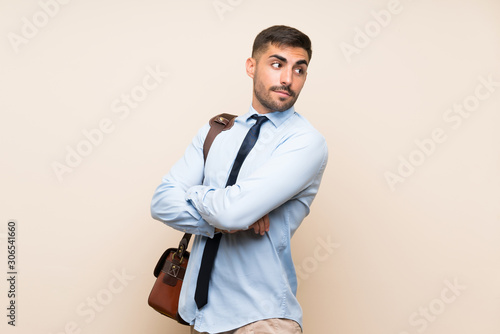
column 276, row 64
column 299, row 70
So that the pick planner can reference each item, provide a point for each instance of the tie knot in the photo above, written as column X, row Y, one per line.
column 259, row 119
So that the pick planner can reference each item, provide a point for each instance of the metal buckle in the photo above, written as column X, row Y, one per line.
column 222, row 120
column 179, row 254
column 174, row 270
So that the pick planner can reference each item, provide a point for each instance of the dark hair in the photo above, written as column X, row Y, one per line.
column 280, row 35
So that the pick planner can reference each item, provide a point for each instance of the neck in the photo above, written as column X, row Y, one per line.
column 259, row 107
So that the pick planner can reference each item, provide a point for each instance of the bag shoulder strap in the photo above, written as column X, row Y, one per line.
column 218, row 123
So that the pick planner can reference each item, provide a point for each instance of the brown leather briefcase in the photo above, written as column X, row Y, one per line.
column 169, row 273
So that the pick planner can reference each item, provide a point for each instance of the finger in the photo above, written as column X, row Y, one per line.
column 263, row 225
column 260, row 224
column 256, row 228
column 266, row 222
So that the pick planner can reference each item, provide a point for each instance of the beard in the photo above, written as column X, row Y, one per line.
column 266, row 100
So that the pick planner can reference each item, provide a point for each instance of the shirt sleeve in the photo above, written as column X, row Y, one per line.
column 169, row 204
column 293, row 171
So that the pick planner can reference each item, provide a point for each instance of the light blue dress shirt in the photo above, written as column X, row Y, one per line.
column 253, row 276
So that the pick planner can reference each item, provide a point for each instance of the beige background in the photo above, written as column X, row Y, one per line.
column 371, row 258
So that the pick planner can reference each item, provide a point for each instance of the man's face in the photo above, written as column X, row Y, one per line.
column 279, row 74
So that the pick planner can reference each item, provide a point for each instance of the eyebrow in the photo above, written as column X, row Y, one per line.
column 283, row 59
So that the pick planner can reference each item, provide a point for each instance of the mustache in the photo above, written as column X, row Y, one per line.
column 283, row 88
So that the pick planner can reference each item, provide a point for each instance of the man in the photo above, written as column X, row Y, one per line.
column 252, row 286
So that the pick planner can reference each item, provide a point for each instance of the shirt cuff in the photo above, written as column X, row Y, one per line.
column 195, row 195
column 205, row 229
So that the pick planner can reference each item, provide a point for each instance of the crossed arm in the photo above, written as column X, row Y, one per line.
column 184, row 204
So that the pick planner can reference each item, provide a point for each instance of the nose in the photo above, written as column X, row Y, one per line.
column 286, row 76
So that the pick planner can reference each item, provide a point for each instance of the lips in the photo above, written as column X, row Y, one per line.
column 282, row 92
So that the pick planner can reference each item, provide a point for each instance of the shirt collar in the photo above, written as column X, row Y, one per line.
column 276, row 117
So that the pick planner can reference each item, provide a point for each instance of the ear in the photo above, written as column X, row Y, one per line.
column 250, row 67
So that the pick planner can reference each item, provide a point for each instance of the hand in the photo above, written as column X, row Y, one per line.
column 261, row 226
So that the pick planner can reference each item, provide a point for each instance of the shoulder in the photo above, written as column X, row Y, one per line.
column 298, row 138
column 301, row 128
column 201, row 135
